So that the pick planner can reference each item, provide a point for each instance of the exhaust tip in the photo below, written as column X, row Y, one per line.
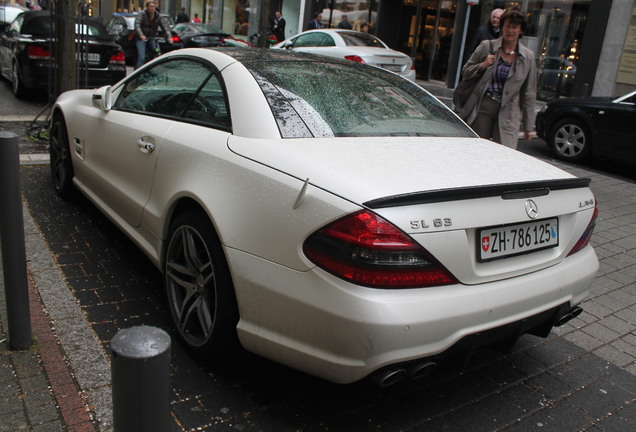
column 389, row 377
column 569, row 315
column 422, row 369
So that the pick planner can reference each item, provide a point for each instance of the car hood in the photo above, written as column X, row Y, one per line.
column 582, row 101
column 363, row 169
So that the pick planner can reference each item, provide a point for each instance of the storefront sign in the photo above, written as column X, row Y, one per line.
column 627, row 68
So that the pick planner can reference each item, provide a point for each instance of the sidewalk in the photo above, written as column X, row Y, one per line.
column 585, row 374
column 62, row 382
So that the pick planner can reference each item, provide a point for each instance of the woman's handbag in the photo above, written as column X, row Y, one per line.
column 463, row 91
column 465, row 88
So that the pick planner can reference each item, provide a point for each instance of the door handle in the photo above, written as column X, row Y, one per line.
column 145, row 146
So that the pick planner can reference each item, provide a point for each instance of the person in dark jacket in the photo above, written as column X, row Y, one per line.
column 182, row 17
column 315, row 23
column 278, row 27
column 490, row 31
column 147, row 24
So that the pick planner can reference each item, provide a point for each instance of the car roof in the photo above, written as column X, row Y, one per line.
column 263, row 54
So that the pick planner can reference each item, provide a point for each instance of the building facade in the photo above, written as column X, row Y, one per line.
column 583, row 47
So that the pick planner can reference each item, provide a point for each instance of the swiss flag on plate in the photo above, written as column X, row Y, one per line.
column 485, row 243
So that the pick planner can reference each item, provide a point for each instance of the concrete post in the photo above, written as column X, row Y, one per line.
column 13, row 250
column 140, row 371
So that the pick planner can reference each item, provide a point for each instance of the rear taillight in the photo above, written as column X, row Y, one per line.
column 355, row 58
column 35, row 52
column 366, row 250
column 118, row 59
column 175, row 39
column 587, row 234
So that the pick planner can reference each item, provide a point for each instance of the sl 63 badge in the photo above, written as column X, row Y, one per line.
column 437, row 223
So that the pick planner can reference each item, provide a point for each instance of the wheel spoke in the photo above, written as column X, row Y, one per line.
column 187, row 310
column 205, row 317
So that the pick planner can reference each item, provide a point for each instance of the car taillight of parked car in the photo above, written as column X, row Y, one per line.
column 366, row 250
column 35, row 52
column 587, row 234
column 175, row 39
column 118, row 59
column 355, row 58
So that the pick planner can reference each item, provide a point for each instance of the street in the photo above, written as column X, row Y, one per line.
column 583, row 377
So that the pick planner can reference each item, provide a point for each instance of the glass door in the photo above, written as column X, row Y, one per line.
column 426, row 35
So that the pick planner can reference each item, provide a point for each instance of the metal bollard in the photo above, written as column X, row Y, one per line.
column 13, row 250
column 140, row 371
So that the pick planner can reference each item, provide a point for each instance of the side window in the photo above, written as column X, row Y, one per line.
column 326, row 41
column 178, row 88
column 308, row 40
column 210, row 105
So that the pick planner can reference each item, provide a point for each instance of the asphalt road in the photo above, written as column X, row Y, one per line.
column 544, row 384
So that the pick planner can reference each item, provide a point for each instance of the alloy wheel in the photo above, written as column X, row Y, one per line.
column 571, row 140
column 191, row 285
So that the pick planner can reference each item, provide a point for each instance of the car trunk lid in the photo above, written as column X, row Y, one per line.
column 443, row 192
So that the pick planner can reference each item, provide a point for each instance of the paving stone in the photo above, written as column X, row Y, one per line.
column 614, row 355
column 600, row 332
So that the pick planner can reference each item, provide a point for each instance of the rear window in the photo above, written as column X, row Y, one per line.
column 361, row 39
column 315, row 99
column 43, row 26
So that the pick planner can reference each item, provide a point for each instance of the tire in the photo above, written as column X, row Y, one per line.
column 60, row 157
column 570, row 140
column 199, row 288
column 17, row 84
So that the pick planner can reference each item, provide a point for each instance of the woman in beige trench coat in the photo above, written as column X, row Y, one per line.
column 504, row 99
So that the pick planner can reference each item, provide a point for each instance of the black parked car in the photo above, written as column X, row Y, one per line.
column 121, row 27
column 206, row 35
column 27, row 47
column 577, row 128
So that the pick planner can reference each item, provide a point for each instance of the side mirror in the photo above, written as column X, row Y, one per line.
column 288, row 45
column 102, row 98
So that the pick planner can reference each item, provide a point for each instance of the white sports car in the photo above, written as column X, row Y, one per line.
column 351, row 45
column 328, row 215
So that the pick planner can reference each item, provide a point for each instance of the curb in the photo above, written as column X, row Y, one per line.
column 84, row 355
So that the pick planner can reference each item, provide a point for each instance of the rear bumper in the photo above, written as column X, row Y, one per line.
column 319, row 324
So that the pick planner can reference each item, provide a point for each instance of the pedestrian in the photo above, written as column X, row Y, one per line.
column 316, row 22
column 278, row 28
column 490, row 31
column 182, row 17
column 147, row 24
column 504, row 98
column 344, row 23
column 196, row 19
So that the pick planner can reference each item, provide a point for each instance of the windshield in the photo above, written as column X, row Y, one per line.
column 315, row 99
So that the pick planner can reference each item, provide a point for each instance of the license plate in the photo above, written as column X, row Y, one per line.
column 392, row 67
column 504, row 241
column 92, row 57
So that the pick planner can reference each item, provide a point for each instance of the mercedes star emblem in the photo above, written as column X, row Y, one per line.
column 531, row 209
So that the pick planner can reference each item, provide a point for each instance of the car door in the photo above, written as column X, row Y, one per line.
column 121, row 152
column 616, row 129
